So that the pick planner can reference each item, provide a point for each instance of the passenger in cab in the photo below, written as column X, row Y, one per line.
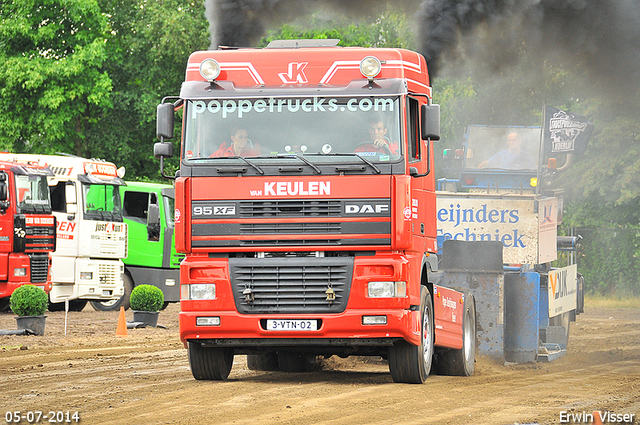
column 240, row 144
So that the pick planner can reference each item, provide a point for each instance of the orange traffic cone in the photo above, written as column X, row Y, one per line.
column 122, row 324
column 597, row 418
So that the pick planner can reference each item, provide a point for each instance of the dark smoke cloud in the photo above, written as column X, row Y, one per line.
column 241, row 23
column 598, row 37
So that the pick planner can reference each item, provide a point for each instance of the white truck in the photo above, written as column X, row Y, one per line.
column 91, row 235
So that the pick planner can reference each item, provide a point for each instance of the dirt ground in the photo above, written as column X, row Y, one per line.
column 144, row 378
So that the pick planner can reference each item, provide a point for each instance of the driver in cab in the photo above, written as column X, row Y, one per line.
column 378, row 142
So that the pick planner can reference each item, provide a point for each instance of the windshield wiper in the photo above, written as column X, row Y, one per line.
column 254, row 166
column 366, row 161
column 301, row 158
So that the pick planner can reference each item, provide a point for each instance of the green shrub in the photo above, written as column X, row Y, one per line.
column 29, row 300
column 146, row 298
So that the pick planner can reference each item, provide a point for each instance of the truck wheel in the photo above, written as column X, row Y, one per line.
column 55, row 306
column 461, row 362
column 263, row 361
column 210, row 363
column 410, row 363
column 76, row 305
column 114, row 305
column 289, row 361
column 4, row 304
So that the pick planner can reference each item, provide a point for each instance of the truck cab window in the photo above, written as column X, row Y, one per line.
column 135, row 206
column 413, row 129
column 58, row 201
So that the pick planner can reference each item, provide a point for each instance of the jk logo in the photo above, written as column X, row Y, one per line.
column 295, row 74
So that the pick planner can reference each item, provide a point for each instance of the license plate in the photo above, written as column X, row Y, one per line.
column 291, row 325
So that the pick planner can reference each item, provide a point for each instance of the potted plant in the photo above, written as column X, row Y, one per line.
column 146, row 301
column 30, row 302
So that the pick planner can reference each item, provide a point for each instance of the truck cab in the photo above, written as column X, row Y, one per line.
column 27, row 228
column 305, row 205
column 148, row 211
column 91, row 236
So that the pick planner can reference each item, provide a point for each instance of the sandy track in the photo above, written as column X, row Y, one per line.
column 145, row 378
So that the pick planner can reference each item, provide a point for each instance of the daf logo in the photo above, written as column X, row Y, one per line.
column 366, row 209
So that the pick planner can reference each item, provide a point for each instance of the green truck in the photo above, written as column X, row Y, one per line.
column 148, row 210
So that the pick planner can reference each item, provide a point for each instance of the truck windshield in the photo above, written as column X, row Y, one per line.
column 33, row 194
column 335, row 127
column 101, row 202
column 502, row 148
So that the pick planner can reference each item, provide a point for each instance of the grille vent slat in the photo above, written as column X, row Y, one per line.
column 39, row 268
column 293, row 285
column 297, row 208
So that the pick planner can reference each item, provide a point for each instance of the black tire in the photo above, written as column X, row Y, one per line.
column 411, row 364
column 289, row 361
column 461, row 362
column 74, row 305
column 114, row 305
column 56, row 306
column 210, row 363
column 263, row 361
column 4, row 304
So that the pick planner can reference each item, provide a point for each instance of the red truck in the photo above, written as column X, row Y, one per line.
column 305, row 205
column 27, row 228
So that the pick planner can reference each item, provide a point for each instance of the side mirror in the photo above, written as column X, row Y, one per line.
column 430, row 122
column 153, row 215
column 164, row 121
column 71, row 199
column 163, row 150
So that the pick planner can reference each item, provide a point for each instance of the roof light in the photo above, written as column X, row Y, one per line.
column 370, row 67
column 209, row 69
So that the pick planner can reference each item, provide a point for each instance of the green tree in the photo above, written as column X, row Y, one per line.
column 389, row 28
column 51, row 82
column 149, row 47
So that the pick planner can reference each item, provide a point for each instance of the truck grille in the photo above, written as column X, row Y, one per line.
column 289, row 223
column 297, row 208
column 39, row 239
column 110, row 273
column 39, row 267
column 291, row 285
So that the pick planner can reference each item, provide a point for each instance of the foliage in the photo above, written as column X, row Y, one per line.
column 390, row 28
column 149, row 47
column 146, row 298
column 52, row 80
column 29, row 300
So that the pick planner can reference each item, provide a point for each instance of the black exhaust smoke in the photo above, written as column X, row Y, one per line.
column 598, row 37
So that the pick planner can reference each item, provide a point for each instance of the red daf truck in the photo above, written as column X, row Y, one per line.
column 305, row 204
column 27, row 228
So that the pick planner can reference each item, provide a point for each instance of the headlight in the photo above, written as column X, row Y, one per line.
column 370, row 67
column 209, row 69
column 387, row 289
column 198, row 291
column 20, row 271
column 208, row 321
column 86, row 275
